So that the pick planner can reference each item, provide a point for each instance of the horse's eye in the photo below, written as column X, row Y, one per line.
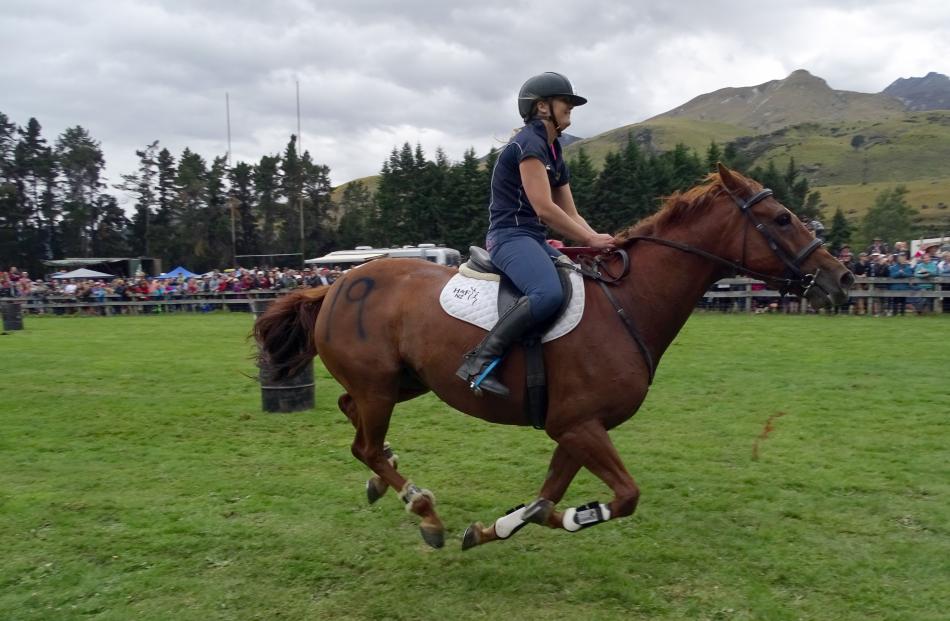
column 784, row 219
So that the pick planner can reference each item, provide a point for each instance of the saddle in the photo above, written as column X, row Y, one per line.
column 479, row 265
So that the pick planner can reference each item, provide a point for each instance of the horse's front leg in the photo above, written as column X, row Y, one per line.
column 561, row 472
column 590, row 445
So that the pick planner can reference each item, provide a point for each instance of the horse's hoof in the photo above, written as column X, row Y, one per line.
column 472, row 536
column 373, row 493
column 435, row 538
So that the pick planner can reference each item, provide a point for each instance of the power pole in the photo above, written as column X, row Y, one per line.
column 303, row 255
column 231, row 201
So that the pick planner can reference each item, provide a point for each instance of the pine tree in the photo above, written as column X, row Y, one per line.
column 607, row 212
column 267, row 187
column 358, row 216
column 583, row 179
column 396, row 193
column 9, row 222
column 840, row 232
column 218, row 235
column 771, row 178
column 30, row 162
column 637, row 187
column 714, row 155
column 466, row 219
column 165, row 190
column 321, row 213
column 141, row 185
column 109, row 228
column 190, row 241
column 50, row 205
column 293, row 212
column 243, row 200
column 81, row 162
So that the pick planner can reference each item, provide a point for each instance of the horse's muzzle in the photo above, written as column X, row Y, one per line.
column 830, row 288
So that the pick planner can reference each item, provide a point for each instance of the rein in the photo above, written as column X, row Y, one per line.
column 794, row 276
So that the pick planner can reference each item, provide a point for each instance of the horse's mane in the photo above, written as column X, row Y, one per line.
column 678, row 207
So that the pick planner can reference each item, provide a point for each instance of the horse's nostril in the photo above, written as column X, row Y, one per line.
column 847, row 279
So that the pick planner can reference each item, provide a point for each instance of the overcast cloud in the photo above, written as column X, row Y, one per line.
column 376, row 74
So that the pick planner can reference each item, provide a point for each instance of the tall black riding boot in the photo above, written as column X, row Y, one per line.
column 509, row 328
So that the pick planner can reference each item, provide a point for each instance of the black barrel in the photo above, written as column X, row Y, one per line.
column 259, row 305
column 294, row 394
column 12, row 316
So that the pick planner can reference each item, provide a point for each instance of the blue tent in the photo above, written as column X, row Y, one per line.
column 178, row 271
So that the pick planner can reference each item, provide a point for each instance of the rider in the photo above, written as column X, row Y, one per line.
column 530, row 189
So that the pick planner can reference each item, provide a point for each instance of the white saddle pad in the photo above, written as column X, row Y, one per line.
column 476, row 301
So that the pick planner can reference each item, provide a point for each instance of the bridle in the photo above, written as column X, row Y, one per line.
column 793, row 278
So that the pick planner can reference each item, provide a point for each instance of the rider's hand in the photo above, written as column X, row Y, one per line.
column 600, row 240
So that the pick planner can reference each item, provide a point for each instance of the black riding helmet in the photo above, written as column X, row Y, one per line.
column 544, row 86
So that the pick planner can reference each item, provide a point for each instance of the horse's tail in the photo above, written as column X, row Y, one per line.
column 284, row 333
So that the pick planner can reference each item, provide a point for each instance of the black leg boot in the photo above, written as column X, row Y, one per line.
column 509, row 328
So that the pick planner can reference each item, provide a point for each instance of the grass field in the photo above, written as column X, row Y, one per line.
column 139, row 480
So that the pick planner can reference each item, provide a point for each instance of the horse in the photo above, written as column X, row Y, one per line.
column 381, row 333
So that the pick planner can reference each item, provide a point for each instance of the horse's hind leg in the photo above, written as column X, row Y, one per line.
column 372, row 414
column 376, row 487
column 561, row 472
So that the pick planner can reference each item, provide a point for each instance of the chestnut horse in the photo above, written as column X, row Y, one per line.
column 382, row 334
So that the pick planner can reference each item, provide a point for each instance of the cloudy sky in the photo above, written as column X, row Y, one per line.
column 375, row 74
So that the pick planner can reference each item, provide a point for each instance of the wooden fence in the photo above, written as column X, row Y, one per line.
column 869, row 295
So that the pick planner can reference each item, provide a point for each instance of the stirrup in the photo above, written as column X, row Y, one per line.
column 476, row 383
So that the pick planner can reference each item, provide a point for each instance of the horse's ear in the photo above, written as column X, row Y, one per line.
column 728, row 180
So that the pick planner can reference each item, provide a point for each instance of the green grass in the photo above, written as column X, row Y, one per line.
column 138, row 479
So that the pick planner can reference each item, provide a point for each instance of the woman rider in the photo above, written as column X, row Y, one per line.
column 530, row 188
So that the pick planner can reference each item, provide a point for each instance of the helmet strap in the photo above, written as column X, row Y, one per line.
column 550, row 115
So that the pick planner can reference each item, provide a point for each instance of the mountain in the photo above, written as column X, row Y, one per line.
column 799, row 98
column 931, row 92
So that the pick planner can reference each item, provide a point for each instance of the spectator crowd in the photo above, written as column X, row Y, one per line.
column 215, row 284
column 906, row 275
column 909, row 274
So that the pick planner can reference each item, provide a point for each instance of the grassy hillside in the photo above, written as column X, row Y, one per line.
column 930, row 197
column 849, row 163
column 916, row 146
column 657, row 135
column 371, row 182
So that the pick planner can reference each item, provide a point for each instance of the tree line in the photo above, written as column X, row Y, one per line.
column 418, row 199
column 55, row 202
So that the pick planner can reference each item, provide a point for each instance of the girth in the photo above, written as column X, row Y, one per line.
column 536, row 388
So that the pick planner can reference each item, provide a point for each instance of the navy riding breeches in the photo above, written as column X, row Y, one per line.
column 526, row 260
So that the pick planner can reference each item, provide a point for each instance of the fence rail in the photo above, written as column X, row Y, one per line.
column 729, row 294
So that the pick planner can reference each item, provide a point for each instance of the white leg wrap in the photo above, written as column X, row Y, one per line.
column 587, row 515
column 508, row 524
